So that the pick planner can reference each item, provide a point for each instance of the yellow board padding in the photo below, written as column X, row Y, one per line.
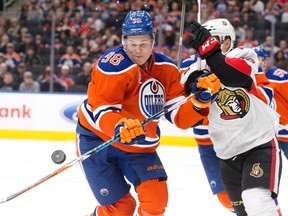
column 38, row 135
column 61, row 136
column 178, row 140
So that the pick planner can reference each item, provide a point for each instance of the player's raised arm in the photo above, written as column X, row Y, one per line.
column 231, row 71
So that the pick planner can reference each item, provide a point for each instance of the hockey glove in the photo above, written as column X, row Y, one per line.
column 129, row 129
column 205, row 89
column 200, row 39
column 191, row 79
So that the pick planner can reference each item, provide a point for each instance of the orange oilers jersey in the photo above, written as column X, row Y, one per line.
column 120, row 88
column 278, row 79
column 264, row 89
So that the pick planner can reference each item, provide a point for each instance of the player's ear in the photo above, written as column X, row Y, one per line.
column 226, row 45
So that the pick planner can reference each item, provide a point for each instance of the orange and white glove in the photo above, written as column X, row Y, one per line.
column 129, row 129
column 209, row 82
column 205, row 89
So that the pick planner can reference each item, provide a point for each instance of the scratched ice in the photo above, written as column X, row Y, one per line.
column 23, row 162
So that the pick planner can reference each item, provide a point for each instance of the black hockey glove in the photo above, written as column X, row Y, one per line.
column 200, row 39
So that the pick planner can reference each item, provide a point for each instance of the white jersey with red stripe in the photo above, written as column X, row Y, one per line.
column 238, row 119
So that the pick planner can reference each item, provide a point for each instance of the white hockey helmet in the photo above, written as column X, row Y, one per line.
column 221, row 28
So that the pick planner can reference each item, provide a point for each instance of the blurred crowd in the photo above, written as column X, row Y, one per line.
column 85, row 29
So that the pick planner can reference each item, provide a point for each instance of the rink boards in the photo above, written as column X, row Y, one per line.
column 48, row 116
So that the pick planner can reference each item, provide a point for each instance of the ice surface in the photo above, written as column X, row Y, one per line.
column 24, row 162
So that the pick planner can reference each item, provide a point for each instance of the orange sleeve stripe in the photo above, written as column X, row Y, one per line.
column 204, row 141
column 262, row 96
column 283, row 139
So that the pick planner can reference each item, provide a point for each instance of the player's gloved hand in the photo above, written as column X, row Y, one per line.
column 200, row 39
column 129, row 129
column 205, row 88
column 191, row 79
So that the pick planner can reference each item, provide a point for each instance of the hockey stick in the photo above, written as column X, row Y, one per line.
column 199, row 21
column 199, row 11
column 90, row 152
column 181, row 31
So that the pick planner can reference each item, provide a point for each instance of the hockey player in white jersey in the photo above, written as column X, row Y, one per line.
column 241, row 127
column 190, row 69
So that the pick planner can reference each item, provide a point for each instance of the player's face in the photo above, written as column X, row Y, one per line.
column 264, row 63
column 139, row 48
column 225, row 44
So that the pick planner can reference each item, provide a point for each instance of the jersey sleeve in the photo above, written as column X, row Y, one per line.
column 233, row 72
column 279, row 82
column 266, row 94
column 186, row 63
column 264, row 89
column 106, row 92
column 105, row 104
column 185, row 116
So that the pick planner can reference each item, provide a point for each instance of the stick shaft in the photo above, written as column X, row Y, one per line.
column 199, row 11
column 181, row 31
column 89, row 153
column 199, row 21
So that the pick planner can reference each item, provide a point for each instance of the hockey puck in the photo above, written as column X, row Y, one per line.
column 58, row 157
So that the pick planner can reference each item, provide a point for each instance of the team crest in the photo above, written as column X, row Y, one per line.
column 213, row 183
column 234, row 104
column 104, row 191
column 224, row 23
column 257, row 171
column 151, row 97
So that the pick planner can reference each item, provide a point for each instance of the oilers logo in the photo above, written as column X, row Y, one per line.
column 104, row 191
column 151, row 97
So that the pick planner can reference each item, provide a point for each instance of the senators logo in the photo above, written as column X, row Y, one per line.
column 234, row 104
column 256, row 171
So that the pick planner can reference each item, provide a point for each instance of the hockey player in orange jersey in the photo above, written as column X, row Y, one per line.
column 128, row 85
column 276, row 80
